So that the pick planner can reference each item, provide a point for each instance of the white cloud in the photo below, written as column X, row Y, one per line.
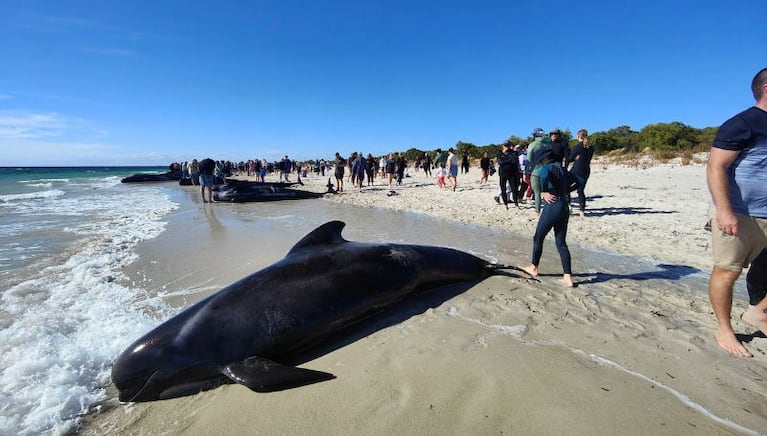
column 16, row 125
column 50, row 138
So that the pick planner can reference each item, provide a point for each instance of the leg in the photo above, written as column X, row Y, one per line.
column 502, row 180
column 756, row 279
column 756, row 282
column 582, row 194
column 514, row 181
column 536, row 183
column 720, row 293
column 544, row 226
column 560, row 239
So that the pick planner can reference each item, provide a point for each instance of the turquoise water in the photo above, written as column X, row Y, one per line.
column 65, row 235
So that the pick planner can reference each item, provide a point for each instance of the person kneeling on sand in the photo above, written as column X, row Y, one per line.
column 554, row 215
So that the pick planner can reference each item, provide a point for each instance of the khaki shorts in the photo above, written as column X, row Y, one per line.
column 736, row 252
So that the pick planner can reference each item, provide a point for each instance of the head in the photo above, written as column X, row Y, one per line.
column 555, row 135
column 538, row 132
column 145, row 370
column 583, row 136
column 759, row 86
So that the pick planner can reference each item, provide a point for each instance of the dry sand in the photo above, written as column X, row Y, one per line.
column 619, row 354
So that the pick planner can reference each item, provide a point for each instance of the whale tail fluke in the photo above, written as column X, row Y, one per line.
column 264, row 375
column 496, row 267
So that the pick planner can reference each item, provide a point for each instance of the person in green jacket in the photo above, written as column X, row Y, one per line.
column 540, row 142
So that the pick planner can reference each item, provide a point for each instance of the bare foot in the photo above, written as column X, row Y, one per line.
column 580, row 213
column 567, row 280
column 731, row 344
column 755, row 318
column 532, row 270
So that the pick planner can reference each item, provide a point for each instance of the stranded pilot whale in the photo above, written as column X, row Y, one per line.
column 250, row 331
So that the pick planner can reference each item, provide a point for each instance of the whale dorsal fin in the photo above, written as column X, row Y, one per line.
column 328, row 233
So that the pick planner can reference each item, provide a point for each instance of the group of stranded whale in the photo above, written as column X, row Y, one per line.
column 238, row 191
column 255, row 331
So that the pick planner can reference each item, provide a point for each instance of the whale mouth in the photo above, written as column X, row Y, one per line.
column 129, row 394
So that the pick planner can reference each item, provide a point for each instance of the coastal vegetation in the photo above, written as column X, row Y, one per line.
column 662, row 141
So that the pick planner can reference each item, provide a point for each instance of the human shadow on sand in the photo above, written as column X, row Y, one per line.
column 604, row 211
column 666, row 272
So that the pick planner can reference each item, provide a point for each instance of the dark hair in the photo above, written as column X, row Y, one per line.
column 757, row 85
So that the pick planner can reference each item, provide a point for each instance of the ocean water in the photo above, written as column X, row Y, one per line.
column 65, row 235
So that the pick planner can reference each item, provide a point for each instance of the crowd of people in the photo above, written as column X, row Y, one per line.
column 545, row 173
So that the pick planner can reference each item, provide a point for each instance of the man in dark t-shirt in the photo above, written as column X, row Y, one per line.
column 737, row 180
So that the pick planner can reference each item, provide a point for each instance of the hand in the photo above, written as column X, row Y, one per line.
column 548, row 197
column 727, row 222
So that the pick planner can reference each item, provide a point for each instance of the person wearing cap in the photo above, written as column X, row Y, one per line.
column 554, row 215
column 540, row 141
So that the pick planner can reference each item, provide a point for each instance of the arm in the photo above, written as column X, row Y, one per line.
column 716, row 171
column 546, row 196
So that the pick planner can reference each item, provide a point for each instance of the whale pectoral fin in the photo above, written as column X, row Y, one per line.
column 263, row 375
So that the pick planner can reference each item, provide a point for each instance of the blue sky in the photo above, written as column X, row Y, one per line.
column 150, row 82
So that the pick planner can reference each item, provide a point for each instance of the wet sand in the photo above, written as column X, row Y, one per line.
column 628, row 351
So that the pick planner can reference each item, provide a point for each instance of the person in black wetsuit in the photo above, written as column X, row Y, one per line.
column 559, row 148
column 580, row 157
column 555, row 214
column 508, row 171
column 426, row 162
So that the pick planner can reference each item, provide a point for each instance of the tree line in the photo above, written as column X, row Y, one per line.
column 674, row 137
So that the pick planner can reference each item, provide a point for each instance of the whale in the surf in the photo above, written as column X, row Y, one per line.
column 251, row 331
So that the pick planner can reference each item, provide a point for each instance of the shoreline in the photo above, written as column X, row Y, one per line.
column 620, row 353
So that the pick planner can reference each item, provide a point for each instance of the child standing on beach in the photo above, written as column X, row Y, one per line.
column 441, row 174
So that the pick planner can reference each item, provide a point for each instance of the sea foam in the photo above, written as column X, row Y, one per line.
column 62, row 327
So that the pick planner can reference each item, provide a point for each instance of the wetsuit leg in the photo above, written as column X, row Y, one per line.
column 514, row 180
column 560, row 238
column 536, row 184
column 545, row 223
column 756, row 279
column 504, row 177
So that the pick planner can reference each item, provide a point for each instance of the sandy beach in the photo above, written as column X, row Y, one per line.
column 630, row 350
